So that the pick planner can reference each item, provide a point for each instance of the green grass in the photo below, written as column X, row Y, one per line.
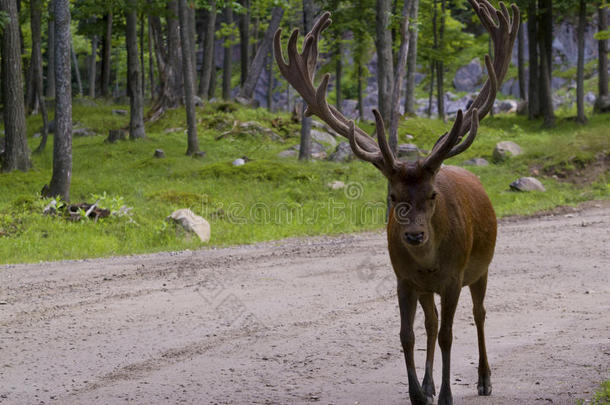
column 268, row 198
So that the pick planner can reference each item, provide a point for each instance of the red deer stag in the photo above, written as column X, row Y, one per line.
column 442, row 226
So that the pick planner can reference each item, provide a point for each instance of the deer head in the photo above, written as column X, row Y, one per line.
column 414, row 193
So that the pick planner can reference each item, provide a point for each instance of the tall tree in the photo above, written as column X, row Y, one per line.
column 92, row 66
column 189, row 77
column 227, row 60
column 412, row 59
column 580, row 75
column 258, row 63
column 440, row 67
column 35, row 24
column 338, row 73
column 521, row 60
column 545, row 48
column 134, row 77
column 244, row 39
column 62, row 141
column 603, row 100
column 79, row 82
column 385, row 65
column 51, row 53
column 106, row 55
column 534, row 71
column 16, row 153
column 175, row 54
column 208, row 50
column 305, row 144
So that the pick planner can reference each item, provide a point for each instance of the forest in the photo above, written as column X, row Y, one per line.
column 141, row 107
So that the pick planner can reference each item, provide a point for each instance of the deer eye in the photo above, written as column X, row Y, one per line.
column 433, row 195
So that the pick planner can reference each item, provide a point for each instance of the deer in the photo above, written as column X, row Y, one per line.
column 441, row 227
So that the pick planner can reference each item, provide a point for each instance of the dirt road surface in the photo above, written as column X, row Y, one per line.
column 302, row 321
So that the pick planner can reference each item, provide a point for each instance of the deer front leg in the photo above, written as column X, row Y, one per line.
column 449, row 300
column 477, row 291
column 431, row 322
column 407, row 301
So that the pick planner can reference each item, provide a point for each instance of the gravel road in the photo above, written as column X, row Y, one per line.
column 303, row 321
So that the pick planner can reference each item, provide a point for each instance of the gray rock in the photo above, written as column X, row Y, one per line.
column 336, row 185
column 198, row 101
column 343, row 153
column 408, row 151
column 323, row 137
column 506, row 106
column 83, row 132
column 119, row 112
column 506, row 149
column 602, row 104
column 468, row 78
column 476, row 162
column 527, row 184
column 317, row 150
column 590, row 98
column 239, row 162
column 288, row 153
column 200, row 154
column 192, row 223
column 159, row 154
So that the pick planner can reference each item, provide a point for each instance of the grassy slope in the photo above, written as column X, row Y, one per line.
column 268, row 198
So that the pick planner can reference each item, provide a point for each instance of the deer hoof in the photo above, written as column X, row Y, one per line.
column 484, row 386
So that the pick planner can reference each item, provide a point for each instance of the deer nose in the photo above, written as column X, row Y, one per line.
column 414, row 238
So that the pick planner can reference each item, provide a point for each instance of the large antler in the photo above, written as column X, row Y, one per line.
column 503, row 31
column 299, row 72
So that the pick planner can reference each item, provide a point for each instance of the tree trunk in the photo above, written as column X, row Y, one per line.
column 79, row 82
column 545, row 34
column 227, row 60
column 440, row 68
column 412, row 60
column 188, row 75
column 176, row 90
column 134, row 76
column 51, row 54
column 270, row 84
column 580, row 75
column 385, row 66
column 92, row 66
column 62, row 141
column 142, row 64
column 603, row 53
column 35, row 21
column 431, row 89
column 151, row 63
column 106, row 56
column 521, row 61
column 16, row 153
column 338, row 76
column 244, row 40
column 208, row 51
column 399, row 74
column 258, row 63
column 360, row 93
column 305, row 144
column 192, row 24
column 534, row 70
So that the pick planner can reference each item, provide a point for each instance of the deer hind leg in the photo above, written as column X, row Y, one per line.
column 431, row 315
column 407, row 301
column 477, row 290
column 449, row 300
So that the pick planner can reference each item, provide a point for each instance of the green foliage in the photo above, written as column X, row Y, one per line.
column 602, row 396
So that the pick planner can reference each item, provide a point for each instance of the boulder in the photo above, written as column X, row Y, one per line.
column 288, row 153
column 506, row 106
column 408, row 151
column 198, row 101
column 476, row 162
column 590, row 98
column 192, row 223
column 343, row 153
column 317, row 150
column 336, row 185
column 602, row 104
column 323, row 137
column 159, row 154
column 83, row 132
column 119, row 112
column 505, row 150
column 527, row 184
column 468, row 78
column 239, row 162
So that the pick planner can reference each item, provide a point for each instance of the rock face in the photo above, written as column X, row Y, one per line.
column 343, row 153
column 468, row 78
column 192, row 223
column 476, row 162
column 324, row 137
column 408, row 151
column 527, row 184
column 505, row 149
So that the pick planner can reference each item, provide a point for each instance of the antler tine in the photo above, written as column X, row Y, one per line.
column 503, row 32
column 388, row 155
column 373, row 157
